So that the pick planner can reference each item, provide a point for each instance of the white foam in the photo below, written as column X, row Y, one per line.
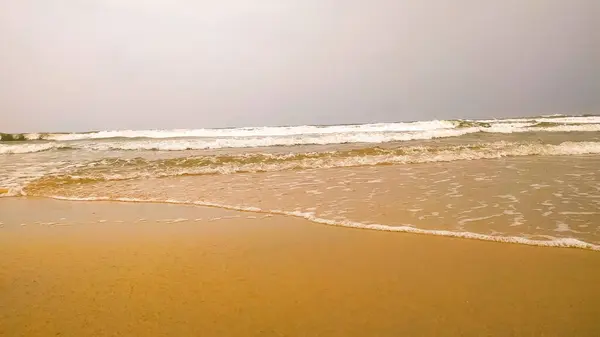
column 259, row 131
column 572, row 119
column 563, row 227
column 569, row 128
column 197, row 139
column 178, row 144
column 315, row 130
column 267, row 141
column 579, row 213
column 333, row 160
column 509, row 197
column 467, row 220
column 13, row 192
column 374, row 181
column 552, row 242
column 560, row 119
column 28, row 147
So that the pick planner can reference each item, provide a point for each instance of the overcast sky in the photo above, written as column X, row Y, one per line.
column 75, row 65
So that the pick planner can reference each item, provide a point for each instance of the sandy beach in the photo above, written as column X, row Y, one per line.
column 300, row 168
column 185, row 270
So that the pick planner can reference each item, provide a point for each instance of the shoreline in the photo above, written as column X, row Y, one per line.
column 557, row 243
column 189, row 270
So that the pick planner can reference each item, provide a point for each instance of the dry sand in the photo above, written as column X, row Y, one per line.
column 103, row 272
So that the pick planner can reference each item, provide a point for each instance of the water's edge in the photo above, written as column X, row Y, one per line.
column 558, row 243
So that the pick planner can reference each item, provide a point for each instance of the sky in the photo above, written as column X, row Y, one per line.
column 77, row 65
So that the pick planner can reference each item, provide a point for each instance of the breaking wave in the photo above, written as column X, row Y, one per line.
column 236, row 132
column 31, row 147
column 199, row 139
column 222, row 143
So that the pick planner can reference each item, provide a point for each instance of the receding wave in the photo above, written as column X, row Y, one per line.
column 140, row 168
column 554, row 242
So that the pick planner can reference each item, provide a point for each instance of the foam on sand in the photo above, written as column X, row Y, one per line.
column 552, row 242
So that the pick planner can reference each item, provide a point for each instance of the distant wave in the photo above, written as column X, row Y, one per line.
column 232, row 142
column 112, row 169
column 237, row 132
column 179, row 140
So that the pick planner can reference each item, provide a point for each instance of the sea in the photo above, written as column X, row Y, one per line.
column 532, row 181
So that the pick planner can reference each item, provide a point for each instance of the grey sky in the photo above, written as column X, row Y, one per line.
column 117, row 64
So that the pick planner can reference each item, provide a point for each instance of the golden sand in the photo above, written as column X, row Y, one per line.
column 208, row 272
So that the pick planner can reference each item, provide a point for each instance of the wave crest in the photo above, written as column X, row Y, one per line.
column 178, row 140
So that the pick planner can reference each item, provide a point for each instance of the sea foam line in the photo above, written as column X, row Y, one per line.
column 573, row 123
column 562, row 242
column 196, row 139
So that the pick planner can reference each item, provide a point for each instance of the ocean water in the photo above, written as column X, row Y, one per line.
column 531, row 180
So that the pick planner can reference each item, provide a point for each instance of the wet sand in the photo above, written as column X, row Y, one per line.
column 187, row 270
